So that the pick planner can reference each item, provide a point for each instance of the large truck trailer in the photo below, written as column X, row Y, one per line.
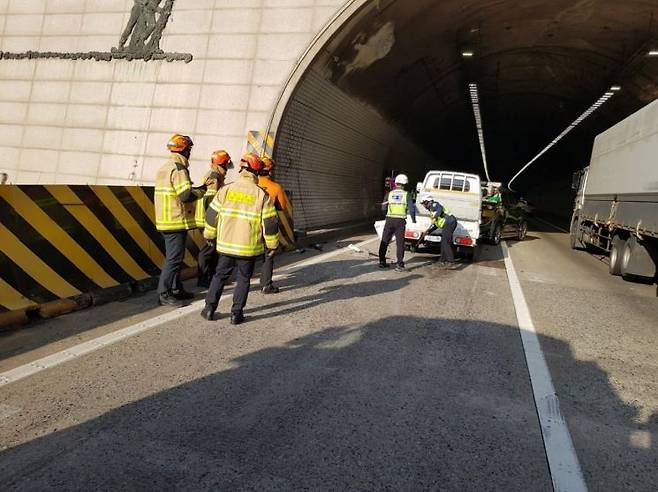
column 616, row 206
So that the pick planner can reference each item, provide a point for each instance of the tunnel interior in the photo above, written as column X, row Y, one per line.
column 389, row 91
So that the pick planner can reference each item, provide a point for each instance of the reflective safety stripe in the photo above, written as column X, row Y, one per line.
column 397, row 204
column 241, row 197
column 441, row 221
column 200, row 213
column 240, row 249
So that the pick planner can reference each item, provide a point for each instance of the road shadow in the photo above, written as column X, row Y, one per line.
column 401, row 403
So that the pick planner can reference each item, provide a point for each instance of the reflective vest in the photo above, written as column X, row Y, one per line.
column 172, row 181
column 397, row 204
column 242, row 219
column 440, row 221
column 214, row 181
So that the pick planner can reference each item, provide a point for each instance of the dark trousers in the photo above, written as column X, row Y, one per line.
column 266, row 272
column 225, row 266
column 207, row 261
column 447, row 248
column 393, row 227
column 174, row 255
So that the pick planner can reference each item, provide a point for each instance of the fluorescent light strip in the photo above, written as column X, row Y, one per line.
column 600, row 102
column 475, row 102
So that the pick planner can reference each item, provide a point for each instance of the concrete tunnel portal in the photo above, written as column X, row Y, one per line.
column 385, row 86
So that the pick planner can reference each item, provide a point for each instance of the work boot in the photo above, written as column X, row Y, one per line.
column 183, row 295
column 168, row 299
column 384, row 266
column 400, row 269
column 208, row 312
column 270, row 289
column 237, row 318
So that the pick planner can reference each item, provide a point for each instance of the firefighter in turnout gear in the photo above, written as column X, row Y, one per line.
column 243, row 223
column 397, row 205
column 220, row 163
column 441, row 219
column 175, row 206
column 278, row 196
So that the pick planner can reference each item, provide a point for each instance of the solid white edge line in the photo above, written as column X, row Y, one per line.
column 563, row 464
column 95, row 344
column 556, row 227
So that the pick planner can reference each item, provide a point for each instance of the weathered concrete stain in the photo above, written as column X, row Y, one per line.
column 372, row 49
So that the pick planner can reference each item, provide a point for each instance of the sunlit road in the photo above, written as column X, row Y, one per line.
column 351, row 378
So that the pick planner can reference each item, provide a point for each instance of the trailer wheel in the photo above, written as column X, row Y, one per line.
column 617, row 255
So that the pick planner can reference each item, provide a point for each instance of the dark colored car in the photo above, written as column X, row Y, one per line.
column 504, row 220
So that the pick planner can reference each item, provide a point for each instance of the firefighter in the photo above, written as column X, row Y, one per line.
column 175, row 207
column 243, row 223
column 220, row 163
column 441, row 219
column 397, row 205
column 278, row 196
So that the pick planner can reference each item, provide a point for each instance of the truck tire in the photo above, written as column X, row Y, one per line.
column 575, row 235
column 636, row 263
column 616, row 255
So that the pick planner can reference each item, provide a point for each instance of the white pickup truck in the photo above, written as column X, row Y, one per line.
column 460, row 193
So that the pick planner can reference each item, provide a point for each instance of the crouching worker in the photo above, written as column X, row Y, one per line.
column 397, row 205
column 441, row 219
column 243, row 222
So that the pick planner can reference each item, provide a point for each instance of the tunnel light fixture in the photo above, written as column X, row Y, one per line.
column 477, row 113
column 467, row 54
column 653, row 53
column 599, row 102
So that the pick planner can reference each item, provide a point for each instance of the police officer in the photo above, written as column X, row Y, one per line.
column 397, row 205
column 220, row 163
column 243, row 222
column 441, row 219
column 175, row 207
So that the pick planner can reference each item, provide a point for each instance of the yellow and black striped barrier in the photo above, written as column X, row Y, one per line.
column 260, row 143
column 59, row 241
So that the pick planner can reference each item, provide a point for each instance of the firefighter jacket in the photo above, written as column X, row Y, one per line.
column 275, row 191
column 398, row 204
column 175, row 198
column 214, row 180
column 242, row 219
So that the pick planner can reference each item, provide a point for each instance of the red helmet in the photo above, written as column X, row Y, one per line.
column 251, row 162
column 220, row 158
column 268, row 164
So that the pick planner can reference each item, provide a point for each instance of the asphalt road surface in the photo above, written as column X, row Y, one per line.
column 351, row 378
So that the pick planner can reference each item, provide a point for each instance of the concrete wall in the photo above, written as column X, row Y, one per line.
column 90, row 122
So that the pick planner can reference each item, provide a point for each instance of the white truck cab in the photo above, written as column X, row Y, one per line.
column 460, row 193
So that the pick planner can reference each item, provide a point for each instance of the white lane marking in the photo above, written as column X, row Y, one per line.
column 76, row 351
column 550, row 224
column 565, row 470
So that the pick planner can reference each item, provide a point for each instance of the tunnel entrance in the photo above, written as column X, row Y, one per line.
column 385, row 87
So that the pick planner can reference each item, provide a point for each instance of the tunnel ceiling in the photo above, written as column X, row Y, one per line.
column 538, row 65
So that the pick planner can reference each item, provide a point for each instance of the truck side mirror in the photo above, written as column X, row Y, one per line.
column 419, row 186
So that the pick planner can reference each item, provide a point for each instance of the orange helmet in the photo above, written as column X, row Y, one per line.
column 268, row 164
column 251, row 162
column 179, row 143
column 220, row 158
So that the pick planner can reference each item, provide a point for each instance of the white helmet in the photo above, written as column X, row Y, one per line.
column 401, row 179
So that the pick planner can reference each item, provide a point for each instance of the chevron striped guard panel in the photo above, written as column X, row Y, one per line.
column 58, row 241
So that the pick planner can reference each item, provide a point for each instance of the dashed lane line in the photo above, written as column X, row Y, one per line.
column 79, row 350
column 563, row 464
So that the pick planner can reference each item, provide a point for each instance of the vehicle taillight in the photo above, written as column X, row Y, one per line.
column 464, row 241
column 411, row 235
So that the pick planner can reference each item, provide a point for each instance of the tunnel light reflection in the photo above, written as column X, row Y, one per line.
column 600, row 102
column 475, row 102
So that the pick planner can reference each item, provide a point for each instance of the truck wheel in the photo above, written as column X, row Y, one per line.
column 616, row 255
column 497, row 235
column 522, row 231
column 636, row 263
column 575, row 235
